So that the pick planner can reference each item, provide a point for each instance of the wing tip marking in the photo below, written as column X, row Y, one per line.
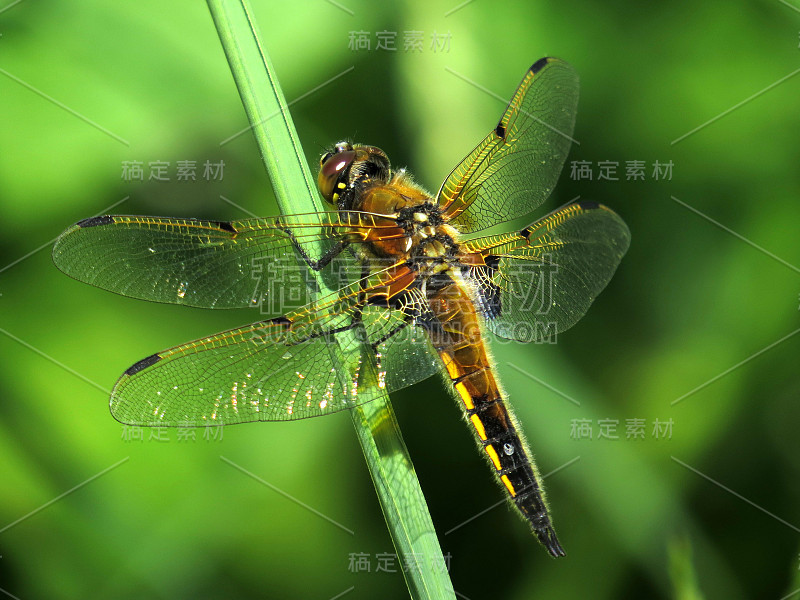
column 541, row 64
column 142, row 364
column 588, row 205
column 95, row 221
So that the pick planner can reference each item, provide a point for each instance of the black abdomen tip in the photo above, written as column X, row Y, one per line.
column 550, row 541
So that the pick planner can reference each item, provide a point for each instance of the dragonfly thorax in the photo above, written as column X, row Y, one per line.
column 420, row 219
column 434, row 254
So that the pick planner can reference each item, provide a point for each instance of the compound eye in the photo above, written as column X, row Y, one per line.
column 332, row 174
column 324, row 158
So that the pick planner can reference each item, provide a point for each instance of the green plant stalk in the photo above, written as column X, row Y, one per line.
column 393, row 474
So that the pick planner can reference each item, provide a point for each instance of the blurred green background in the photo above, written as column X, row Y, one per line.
column 696, row 311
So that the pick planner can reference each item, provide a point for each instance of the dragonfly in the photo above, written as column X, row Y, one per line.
column 415, row 291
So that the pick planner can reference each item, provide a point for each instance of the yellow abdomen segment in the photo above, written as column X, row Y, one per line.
column 461, row 346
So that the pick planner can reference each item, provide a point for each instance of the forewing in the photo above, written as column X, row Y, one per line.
column 206, row 264
column 514, row 169
column 540, row 281
column 316, row 360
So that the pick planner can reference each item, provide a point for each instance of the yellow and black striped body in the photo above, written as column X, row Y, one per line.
column 471, row 372
column 427, row 251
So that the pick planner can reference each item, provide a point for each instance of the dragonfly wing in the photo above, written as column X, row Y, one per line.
column 313, row 361
column 514, row 169
column 404, row 349
column 541, row 281
column 206, row 264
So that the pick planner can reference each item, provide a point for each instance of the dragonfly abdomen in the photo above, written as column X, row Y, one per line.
column 472, row 375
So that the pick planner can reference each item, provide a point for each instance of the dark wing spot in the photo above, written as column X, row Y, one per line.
column 500, row 130
column 540, row 64
column 492, row 261
column 226, row 226
column 95, row 221
column 143, row 364
column 382, row 300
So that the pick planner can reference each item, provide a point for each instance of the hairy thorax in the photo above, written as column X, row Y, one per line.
column 414, row 229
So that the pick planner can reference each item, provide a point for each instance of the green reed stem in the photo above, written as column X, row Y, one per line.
column 390, row 466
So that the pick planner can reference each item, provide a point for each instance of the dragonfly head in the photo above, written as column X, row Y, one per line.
column 347, row 169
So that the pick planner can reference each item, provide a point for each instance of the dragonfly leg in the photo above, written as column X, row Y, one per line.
column 326, row 258
column 393, row 332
